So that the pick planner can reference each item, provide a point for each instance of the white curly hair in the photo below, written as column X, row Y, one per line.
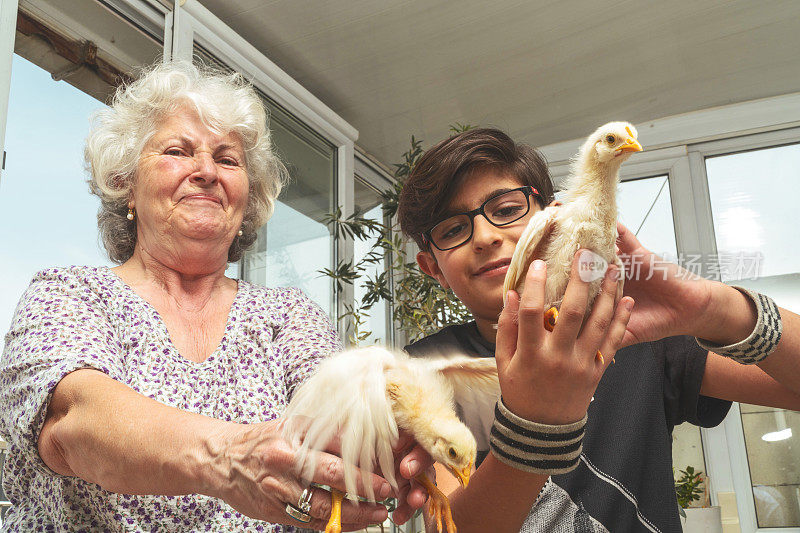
column 224, row 102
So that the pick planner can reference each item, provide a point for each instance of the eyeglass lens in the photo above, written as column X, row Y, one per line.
column 500, row 211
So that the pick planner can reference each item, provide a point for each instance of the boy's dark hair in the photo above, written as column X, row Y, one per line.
column 439, row 172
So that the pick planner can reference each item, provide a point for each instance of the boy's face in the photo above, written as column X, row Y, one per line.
column 476, row 269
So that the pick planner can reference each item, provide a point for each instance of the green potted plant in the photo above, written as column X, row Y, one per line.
column 697, row 514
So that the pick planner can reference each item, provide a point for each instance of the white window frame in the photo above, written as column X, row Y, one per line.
column 730, row 434
column 677, row 146
column 375, row 176
column 190, row 22
column 8, row 31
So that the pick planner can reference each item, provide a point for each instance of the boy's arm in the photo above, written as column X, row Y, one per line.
column 562, row 366
column 775, row 381
column 672, row 301
column 498, row 497
column 728, row 380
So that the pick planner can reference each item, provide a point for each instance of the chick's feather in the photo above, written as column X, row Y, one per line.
column 346, row 397
column 365, row 396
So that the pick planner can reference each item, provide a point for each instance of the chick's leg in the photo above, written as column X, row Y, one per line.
column 335, row 521
column 550, row 319
column 438, row 505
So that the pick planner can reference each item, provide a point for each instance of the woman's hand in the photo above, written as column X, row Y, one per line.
column 550, row 377
column 253, row 470
column 670, row 300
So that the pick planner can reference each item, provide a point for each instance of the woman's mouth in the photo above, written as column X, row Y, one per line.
column 495, row 268
column 204, row 197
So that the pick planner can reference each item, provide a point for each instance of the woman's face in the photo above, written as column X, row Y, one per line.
column 191, row 186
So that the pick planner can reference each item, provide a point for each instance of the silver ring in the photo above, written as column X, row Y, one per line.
column 304, row 503
column 297, row 514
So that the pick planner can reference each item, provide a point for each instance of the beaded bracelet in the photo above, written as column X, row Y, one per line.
column 762, row 341
column 534, row 447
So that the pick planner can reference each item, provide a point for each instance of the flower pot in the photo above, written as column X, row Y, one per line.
column 702, row 520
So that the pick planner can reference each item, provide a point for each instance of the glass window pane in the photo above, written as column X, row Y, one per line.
column 759, row 250
column 296, row 244
column 645, row 208
column 368, row 202
column 750, row 205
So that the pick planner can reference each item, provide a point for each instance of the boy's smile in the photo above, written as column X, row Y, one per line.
column 494, row 268
column 476, row 269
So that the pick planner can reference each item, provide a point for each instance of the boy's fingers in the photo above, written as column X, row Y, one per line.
column 506, row 341
column 626, row 240
column 596, row 327
column 531, row 306
column 416, row 461
column 616, row 331
column 573, row 306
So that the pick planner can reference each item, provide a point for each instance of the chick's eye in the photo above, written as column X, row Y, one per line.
column 452, row 453
column 610, row 139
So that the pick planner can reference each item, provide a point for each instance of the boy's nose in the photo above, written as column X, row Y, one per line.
column 484, row 234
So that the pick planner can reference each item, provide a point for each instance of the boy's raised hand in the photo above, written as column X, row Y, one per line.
column 669, row 299
column 550, row 377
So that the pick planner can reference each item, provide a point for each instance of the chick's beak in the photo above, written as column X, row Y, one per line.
column 631, row 145
column 462, row 475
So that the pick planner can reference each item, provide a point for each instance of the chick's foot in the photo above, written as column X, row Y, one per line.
column 335, row 521
column 438, row 505
column 550, row 319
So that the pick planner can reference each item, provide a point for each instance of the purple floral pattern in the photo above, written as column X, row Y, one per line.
column 85, row 317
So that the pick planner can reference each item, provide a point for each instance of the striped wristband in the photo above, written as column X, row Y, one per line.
column 764, row 338
column 533, row 447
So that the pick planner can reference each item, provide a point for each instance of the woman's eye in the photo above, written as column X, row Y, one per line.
column 229, row 161
column 174, row 151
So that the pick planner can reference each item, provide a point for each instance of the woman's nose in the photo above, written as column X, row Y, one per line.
column 205, row 169
column 484, row 234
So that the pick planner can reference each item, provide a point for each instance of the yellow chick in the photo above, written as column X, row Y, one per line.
column 588, row 219
column 365, row 396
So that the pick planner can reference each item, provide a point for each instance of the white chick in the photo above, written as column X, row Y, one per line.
column 588, row 219
column 365, row 396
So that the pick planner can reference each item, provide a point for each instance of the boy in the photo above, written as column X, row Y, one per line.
column 466, row 204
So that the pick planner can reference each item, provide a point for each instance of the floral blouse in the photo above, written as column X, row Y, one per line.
column 86, row 317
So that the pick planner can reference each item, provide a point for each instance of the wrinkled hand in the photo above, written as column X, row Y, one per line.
column 550, row 377
column 258, row 467
column 410, row 460
column 672, row 301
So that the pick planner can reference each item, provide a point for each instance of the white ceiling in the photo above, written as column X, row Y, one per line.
column 545, row 71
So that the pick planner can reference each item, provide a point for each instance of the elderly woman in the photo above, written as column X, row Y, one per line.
column 147, row 396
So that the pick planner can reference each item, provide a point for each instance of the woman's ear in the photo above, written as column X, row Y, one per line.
column 427, row 263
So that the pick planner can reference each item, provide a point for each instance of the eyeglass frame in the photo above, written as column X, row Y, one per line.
column 480, row 210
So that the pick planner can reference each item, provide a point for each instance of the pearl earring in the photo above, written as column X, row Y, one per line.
column 241, row 233
column 131, row 214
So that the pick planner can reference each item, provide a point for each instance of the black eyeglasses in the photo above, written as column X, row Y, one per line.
column 500, row 210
